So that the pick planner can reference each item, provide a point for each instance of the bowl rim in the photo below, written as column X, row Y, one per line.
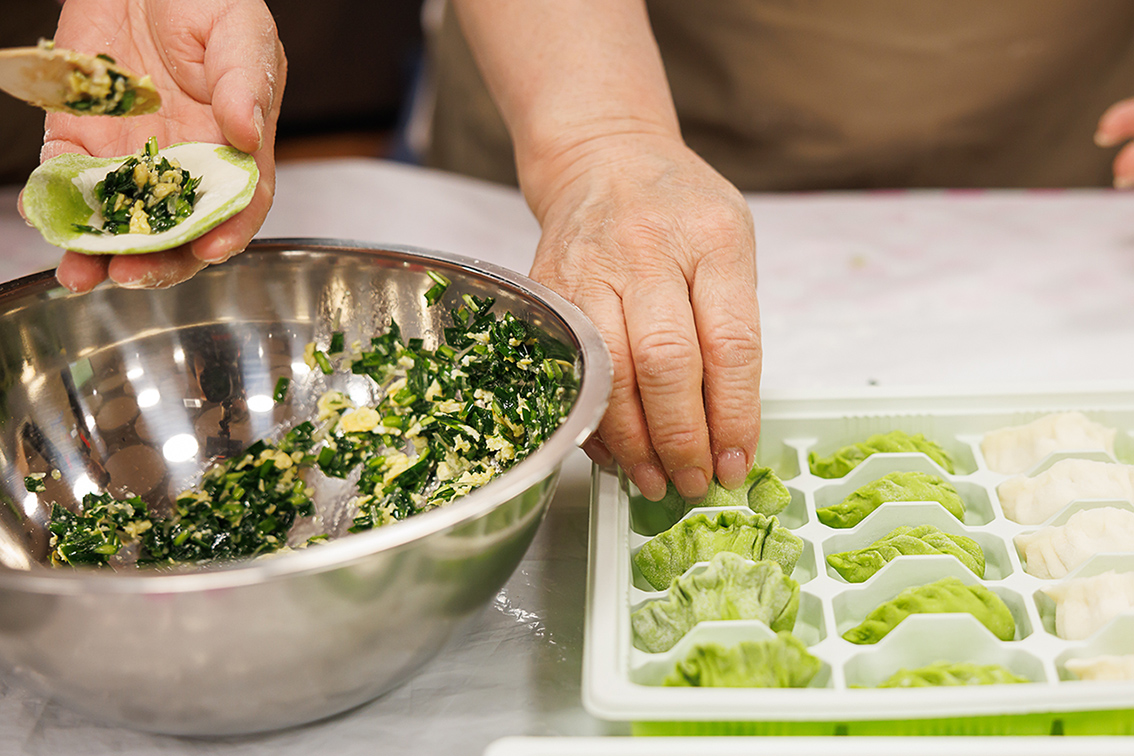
column 582, row 420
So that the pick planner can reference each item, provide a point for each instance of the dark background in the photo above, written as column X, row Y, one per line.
column 351, row 68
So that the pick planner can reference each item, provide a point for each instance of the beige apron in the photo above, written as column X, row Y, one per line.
column 841, row 94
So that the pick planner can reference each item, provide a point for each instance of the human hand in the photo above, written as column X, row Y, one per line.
column 1115, row 127
column 659, row 251
column 220, row 69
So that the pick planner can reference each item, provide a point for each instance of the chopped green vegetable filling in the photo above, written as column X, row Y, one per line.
column 147, row 194
column 96, row 535
column 281, row 389
column 102, row 91
column 449, row 421
column 34, row 483
column 440, row 284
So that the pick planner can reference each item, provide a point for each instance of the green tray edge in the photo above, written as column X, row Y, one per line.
column 1110, row 722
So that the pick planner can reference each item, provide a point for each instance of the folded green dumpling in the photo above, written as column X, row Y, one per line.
column 700, row 537
column 857, row 566
column 729, row 588
column 896, row 486
column 952, row 673
column 847, row 458
column 946, row 595
column 762, row 492
column 782, row 662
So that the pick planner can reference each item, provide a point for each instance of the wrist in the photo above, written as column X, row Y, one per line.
column 547, row 167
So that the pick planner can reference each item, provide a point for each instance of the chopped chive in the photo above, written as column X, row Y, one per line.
column 440, row 284
column 281, row 389
column 323, row 362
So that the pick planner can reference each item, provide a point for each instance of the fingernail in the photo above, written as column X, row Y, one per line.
column 691, row 482
column 258, row 123
column 1103, row 139
column 649, row 479
column 141, row 283
column 216, row 259
column 597, row 451
column 74, row 288
column 732, row 468
column 1123, row 182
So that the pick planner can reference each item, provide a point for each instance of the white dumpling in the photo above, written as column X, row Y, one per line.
column 1106, row 667
column 1084, row 605
column 1019, row 448
column 1054, row 551
column 1030, row 501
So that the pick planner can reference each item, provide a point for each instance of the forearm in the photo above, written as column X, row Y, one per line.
column 638, row 231
column 564, row 73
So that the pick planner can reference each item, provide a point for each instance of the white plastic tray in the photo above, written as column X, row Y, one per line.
column 622, row 683
column 809, row 746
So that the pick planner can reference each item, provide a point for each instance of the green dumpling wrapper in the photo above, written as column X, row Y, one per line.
column 60, row 197
column 847, row 458
column 762, row 492
column 947, row 595
column 859, row 565
column 896, row 486
column 700, row 537
column 783, row 662
column 952, row 673
column 730, row 588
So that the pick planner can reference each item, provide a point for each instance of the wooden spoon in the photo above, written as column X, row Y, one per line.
column 73, row 82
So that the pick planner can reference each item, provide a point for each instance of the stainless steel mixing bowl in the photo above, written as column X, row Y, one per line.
column 136, row 391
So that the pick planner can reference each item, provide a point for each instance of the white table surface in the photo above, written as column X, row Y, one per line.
column 938, row 290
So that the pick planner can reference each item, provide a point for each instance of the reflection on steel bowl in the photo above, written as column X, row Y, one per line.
column 138, row 391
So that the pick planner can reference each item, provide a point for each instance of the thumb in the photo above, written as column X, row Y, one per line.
column 245, row 68
column 1116, row 125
